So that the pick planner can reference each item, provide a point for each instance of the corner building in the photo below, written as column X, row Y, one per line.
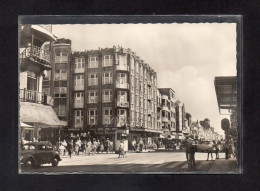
column 113, row 88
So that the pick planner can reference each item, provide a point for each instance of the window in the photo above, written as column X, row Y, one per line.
column 78, row 117
column 79, row 99
column 92, row 97
column 60, row 92
column 121, row 113
column 47, row 75
column 61, row 110
column 31, row 81
column 107, row 115
column 107, row 60
column 107, row 78
column 93, row 80
column 122, row 60
column 122, row 96
column 92, row 116
column 121, row 77
column 79, row 63
column 79, row 82
column 61, row 57
column 107, row 96
column 93, row 62
column 60, row 74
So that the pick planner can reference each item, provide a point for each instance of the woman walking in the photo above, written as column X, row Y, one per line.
column 69, row 147
column 210, row 148
column 89, row 147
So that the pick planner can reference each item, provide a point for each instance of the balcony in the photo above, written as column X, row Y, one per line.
column 35, row 97
column 122, row 67
column 165, row 119
column 36, row 54
column 79, row 70
column 122, row 104
column 79, row 87
column 78, row 105
column 122, row 85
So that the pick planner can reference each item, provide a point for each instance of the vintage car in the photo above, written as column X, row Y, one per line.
column 35, row 154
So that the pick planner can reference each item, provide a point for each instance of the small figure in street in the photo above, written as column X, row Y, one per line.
column 226, row 149
column 133, row 145
column 89, row 147
column 101, row 147
column 64, row 143
column 122, row 152
column 98, row 146
column 231, row 148
column 210, row 148
column 106, row 145
column 217, row 147
column 61, row 149
column 94, row 147
column 77, row 146
column 69, row 147
column 111, row 146
column 141, row 144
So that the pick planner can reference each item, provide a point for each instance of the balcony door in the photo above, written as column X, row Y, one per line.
column 32, row 81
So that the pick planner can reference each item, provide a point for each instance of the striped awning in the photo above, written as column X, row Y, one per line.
column 38, row 113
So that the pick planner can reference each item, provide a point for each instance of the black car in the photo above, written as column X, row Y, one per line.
column 37, row 153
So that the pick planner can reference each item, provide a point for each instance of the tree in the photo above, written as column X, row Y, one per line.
column 205, row 124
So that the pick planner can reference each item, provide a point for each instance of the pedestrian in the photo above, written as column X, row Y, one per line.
column 133, row 145
column 231, row 148
column 98, row 146
column 83, row 146
column 101, row 147
column 89, row 147
column 106, row 145
column 226, row 148
column 69, row 147
column 61, row 149
column 217, row 147
column 77, row 146
column 121, row 150
column 64, row 143
column 141, row 144
column 111, row 146
column 210, row 149
column 94, row 146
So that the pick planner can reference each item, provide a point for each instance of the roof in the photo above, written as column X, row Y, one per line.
column 43, row 30
column 38, row 113
column 226, row 92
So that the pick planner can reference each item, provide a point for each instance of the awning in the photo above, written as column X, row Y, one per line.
column 44, row 31
column 38, row 113
column 25, row 125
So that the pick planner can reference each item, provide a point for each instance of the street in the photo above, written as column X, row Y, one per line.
column 170, row 162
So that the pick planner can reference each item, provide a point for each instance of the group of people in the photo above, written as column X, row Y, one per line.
column 229, row 148
column 87, row 147
column 138, row 146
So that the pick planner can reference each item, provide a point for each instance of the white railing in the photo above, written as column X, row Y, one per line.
column 36, row 52
column 122, row 67
column 36, row 97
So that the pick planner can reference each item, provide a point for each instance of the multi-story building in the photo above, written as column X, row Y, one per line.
column 112, row 88
column 37, row 116
column 180, row 119
column 168, row 114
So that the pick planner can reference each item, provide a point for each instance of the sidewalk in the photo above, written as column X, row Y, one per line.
column 224, row 166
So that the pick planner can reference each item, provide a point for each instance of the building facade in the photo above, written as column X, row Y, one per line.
column 37, row 117
column 111, row 89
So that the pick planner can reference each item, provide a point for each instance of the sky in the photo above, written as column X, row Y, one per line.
column 186, row 57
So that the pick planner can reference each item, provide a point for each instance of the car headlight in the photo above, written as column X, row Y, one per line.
column 21, row 157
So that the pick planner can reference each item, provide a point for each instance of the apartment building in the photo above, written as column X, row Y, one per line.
column 180, row 119
column 37, row 117
column 112, row 88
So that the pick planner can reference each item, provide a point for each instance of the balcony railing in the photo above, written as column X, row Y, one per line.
column 79, row 87
column 78, row 105
column 122, row 85
column 35, row 97
column 36, row 52
column 79, row 70
column 165, row 119
column 122, row 67
column 122, row 104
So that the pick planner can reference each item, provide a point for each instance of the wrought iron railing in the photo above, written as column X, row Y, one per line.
column 37, row 52
column 36, row 97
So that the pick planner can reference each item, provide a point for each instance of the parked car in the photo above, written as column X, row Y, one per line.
column 170, row 145
column 35, row 154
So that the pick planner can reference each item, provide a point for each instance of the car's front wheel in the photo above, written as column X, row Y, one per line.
column 55, row 161
column 29, row 164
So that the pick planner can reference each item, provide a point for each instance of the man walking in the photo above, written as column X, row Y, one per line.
column 133, row 145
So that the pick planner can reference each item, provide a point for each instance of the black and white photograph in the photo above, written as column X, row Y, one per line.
column 159, row 98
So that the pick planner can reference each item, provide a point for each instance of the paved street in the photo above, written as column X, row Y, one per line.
column 135, row 162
